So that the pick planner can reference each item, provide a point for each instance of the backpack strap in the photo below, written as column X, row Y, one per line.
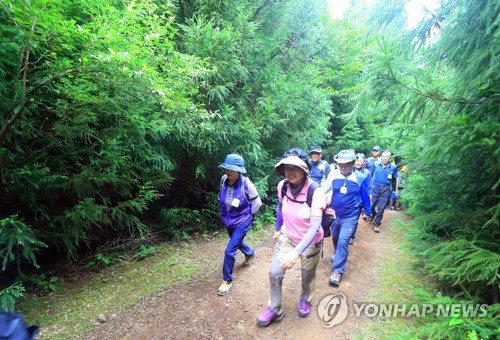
column 310, row 192
column 284, row 187
column 245, row 186
column 223, row 180
column 323, row 166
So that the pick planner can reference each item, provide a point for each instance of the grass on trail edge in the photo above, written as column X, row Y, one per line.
column 76, row 304
column 398, row 279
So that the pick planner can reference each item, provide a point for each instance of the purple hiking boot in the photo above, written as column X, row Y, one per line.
column 268, row 316
column 304, row 308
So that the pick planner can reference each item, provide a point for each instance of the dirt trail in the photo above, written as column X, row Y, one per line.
column 194, row 310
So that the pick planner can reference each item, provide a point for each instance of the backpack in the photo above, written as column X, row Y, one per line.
column 13, row 327
column 326, row 220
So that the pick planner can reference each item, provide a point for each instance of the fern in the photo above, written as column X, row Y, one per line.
column 17, row 242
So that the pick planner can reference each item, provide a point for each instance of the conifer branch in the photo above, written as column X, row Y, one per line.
column 437, row 98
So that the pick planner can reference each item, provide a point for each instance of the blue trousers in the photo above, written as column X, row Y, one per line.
column 356, row 226
column 380, row 200
column 236, row 236
column 342, row 230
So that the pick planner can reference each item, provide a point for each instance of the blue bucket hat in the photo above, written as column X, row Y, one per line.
column 316, row 148
column 345, row 156
column 234, row 162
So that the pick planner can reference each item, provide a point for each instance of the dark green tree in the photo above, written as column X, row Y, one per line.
column 440, row 82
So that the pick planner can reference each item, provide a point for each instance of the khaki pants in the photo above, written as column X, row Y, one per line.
column 309, row 262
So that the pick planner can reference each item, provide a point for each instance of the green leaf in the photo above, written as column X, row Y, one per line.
column 455, row 322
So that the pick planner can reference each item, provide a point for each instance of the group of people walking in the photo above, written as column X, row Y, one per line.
column 349, row 188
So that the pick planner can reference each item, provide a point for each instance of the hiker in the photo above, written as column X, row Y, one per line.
column 298, row 234
column 374, row 158
column 396, row 201
column 384, row 172
column 349, row 188
column 359, row 165
column 319, row 168
column 238, row 203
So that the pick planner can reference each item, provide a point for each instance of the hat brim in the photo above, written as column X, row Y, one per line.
column 233, row 167
column 291, row 160
column 343, row 160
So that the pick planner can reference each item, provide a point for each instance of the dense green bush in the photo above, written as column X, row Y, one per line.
column 116, row 114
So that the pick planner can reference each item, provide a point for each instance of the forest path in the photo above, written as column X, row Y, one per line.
column 193, row 309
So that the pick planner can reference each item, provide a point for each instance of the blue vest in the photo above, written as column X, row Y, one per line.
column 235, row 215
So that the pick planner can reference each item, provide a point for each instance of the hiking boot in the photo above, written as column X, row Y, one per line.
column 224, row 288
column 376, row 228
column 304, row 308
column 268, row 316
column 351, row 241
column 248, row 260
column 334, row 279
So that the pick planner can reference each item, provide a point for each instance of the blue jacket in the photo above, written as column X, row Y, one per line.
column 383, row 175
column 346, row 202
column 319, row 171
column 369, row 176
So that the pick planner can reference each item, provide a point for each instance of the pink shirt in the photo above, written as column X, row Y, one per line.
column 296, row 216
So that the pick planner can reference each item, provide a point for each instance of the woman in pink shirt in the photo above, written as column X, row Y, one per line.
column 298, row 234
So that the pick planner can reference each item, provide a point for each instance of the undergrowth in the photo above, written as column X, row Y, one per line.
column 106, row 289
column 402, row 281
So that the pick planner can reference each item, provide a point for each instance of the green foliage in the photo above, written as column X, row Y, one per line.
column 43, row 281
column 17, row 242
column 264, row 217
column 118, row 103
column 180, row 223
column 480, row 322
column 9, row 295
column 104, row 258
column 443, row 118
column 145, row 251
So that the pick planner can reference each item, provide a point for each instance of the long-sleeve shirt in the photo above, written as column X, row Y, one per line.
column 349, row 193
column 301, row 223
column 383, row 174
